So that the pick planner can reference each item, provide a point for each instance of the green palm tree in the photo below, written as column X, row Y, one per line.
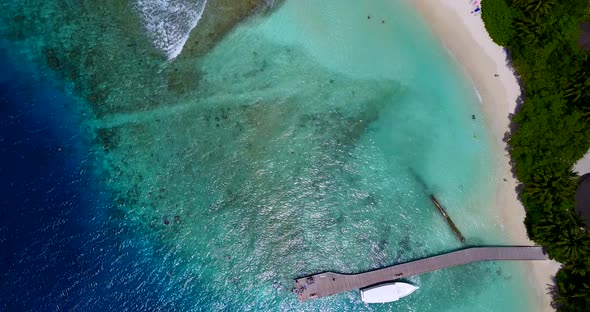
column 535, row 8
column 579, row 267
column 578, row 86
column 539, row 7
column 526, row 30
column 545, row 231
column 552, row 186
column 548, row 227
column 586, row 111
column 573, row 291
column 573, row 243
column 577, row 89
column 574, row 91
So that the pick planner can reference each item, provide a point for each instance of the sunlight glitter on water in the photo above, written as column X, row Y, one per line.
column 306, row 140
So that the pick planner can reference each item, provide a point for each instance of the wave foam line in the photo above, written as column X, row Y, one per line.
column 169, row 22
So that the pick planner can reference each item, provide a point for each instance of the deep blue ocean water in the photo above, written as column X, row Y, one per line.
column 306, row 140
column 59, row 250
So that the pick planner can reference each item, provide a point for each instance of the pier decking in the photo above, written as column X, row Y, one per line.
column 329, row 283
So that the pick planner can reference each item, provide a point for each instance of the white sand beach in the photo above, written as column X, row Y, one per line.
column 465, row 37
column 583, row 165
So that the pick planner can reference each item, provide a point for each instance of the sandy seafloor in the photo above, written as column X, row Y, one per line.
column 485, row 63
column 308, row 139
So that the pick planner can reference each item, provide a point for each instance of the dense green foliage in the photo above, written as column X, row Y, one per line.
column 551, row 128
column 499, row 18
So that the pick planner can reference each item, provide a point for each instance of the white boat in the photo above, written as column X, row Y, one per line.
column 387, row 292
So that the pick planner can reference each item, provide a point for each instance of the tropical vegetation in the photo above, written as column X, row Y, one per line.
column 551, row 128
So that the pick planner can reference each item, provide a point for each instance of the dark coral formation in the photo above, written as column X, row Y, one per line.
column 101, row 47
column 220, row 17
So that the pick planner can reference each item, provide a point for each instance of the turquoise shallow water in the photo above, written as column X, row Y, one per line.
column 307, row 140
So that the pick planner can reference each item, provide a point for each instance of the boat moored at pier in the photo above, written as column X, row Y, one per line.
column 387, row 292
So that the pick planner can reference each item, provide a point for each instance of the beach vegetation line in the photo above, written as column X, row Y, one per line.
column 550, row 129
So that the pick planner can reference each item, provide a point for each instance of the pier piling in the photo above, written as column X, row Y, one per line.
column 447, row 218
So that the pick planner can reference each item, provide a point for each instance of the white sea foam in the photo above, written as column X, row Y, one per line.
column 478, row 94
column 169, row 22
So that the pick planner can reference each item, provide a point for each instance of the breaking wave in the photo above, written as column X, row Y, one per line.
column 169, row 22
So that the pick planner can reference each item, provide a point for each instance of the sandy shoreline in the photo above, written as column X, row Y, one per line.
column 466, row 38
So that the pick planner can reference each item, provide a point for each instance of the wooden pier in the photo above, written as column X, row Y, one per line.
column 329, row 283
column 447, row 218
